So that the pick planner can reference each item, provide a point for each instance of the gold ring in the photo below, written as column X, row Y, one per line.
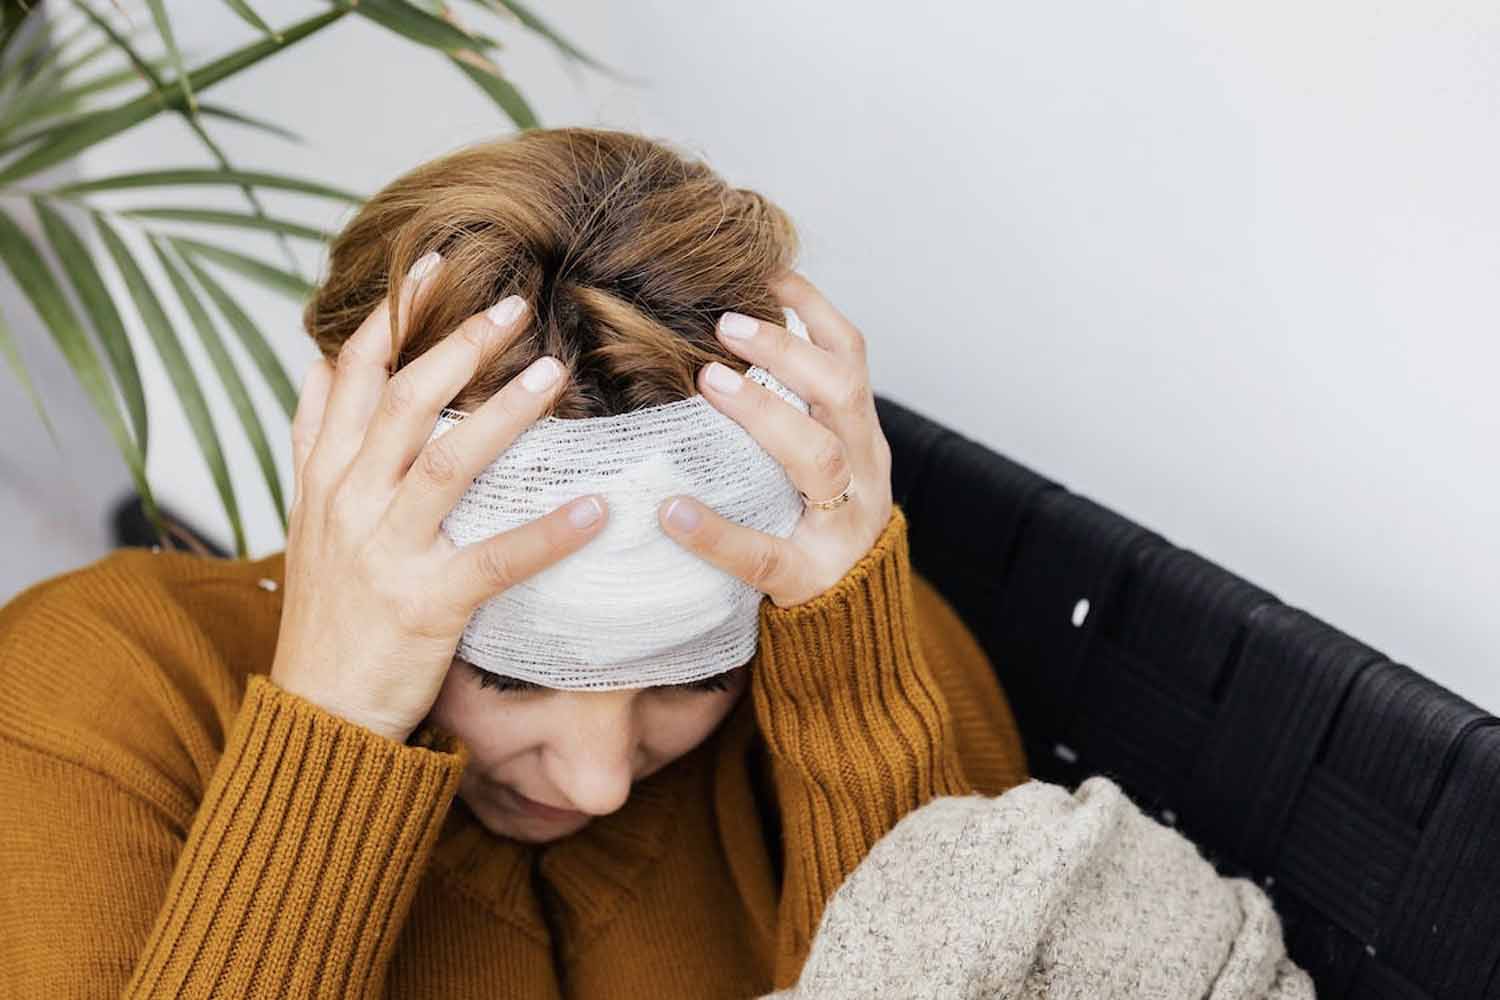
column 832, row 503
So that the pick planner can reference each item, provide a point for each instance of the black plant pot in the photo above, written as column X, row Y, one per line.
column 133, row 529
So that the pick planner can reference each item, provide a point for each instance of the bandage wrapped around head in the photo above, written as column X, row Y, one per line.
column 632, row 607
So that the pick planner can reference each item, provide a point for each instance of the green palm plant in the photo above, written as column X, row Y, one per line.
column 77, row 72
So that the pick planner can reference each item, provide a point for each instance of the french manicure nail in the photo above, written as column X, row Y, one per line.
column 683, row 515
column 540, row 374
column 505, row 312
column 584, row 513
column 723, row 378
column 424, row 263
column 738, row 326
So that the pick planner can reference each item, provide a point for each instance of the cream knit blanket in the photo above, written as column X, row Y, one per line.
column 1045, row 893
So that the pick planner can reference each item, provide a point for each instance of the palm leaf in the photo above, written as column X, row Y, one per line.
column 78, row 263
column 218, row 217
column 189, row 392
column 40, row 51
column 18, row 67
column 164, row 28
column 234, row 386
column 35, row 279
column 272, row 277
column 52, row 70
column 46, row 121
column 13, row 358
column 204, row 111
column 500, row 90
column 60, row 101
column 464, row 48
column 253, row 19
column 419, row 26
column 12, row 19
column 94, row 128
column 198, row 175
column 251, row 338
column 524, row 14
column 191, row 114
column 240, row 118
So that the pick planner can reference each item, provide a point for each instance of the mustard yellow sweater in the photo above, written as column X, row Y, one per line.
column 175, row 825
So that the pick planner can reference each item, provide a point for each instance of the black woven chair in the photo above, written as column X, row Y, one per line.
column 1364, row 797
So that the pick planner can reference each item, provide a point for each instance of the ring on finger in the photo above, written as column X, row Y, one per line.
column 832, row 503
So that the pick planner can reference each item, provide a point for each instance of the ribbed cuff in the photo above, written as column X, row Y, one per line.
column 829, row 640
column 303, row 858
column 856, row 723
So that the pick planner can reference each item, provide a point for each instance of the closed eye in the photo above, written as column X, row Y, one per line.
column 502, row 683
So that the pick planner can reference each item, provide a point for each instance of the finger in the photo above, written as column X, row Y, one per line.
column 412, row 397
column 312, row 398
column 827, row 327
column 486, row 568
column 361, row 373
column 447, row 464
column 767, row 563
column 814, row 456
column 836, row 387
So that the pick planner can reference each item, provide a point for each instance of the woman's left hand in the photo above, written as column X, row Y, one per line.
column 840, row 437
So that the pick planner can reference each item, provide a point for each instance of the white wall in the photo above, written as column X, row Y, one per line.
column 1227, row 268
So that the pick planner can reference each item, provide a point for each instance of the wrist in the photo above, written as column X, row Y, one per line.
column 398, row 732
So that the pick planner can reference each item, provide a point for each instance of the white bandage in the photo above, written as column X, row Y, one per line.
column 632, row 608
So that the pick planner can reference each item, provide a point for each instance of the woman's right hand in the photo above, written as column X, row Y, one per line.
column 376, row 596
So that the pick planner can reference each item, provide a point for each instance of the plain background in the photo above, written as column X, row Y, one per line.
column 1228, row 268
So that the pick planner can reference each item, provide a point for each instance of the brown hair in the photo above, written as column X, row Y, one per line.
column 625, row 250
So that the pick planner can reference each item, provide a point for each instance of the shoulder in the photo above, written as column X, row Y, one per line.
column 137, row 660
column 139, row 601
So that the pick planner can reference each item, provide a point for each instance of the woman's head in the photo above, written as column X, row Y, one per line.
column 626, row 253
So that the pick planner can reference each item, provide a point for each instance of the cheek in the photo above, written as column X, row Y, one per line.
column 678, row 725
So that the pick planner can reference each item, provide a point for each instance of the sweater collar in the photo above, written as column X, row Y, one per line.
column 588, row 877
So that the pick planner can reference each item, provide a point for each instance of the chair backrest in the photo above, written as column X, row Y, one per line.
column 1364, row 797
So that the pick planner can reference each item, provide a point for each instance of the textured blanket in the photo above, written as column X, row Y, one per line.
column 1045, row 893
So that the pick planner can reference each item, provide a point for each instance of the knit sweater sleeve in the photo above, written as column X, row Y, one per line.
column 858, row 730
column 287, row 872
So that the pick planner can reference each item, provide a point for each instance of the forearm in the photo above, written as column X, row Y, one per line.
column 300, row 866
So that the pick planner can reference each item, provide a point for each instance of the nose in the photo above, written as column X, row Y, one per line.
column 593, row 757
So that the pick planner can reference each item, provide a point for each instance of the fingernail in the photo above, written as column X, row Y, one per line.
column 540, row 374
column 585, row 512
column 424, row 263
column 723, row 378
column 683, row 515
column 737, row 325
column 505, row 312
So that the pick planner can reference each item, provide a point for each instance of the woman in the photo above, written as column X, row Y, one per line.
column 277, row 778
